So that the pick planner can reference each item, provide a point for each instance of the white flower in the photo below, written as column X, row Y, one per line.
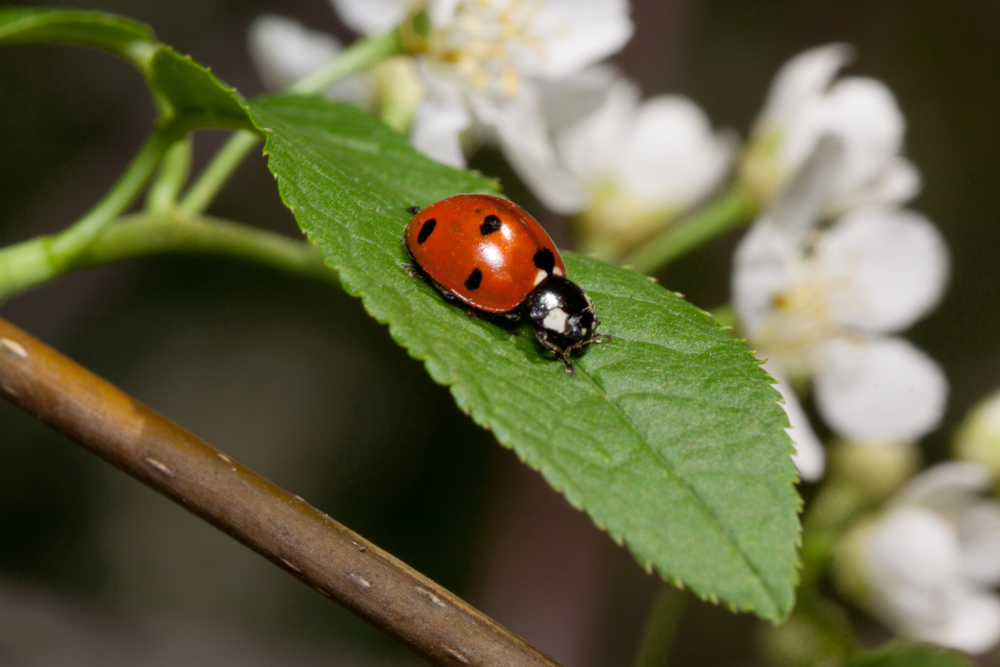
column 642, row 163
column 484, row 63
column 805, row 104
column 820, row 303
column 926, row 565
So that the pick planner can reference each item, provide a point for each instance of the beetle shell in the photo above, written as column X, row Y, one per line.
column 486, row 251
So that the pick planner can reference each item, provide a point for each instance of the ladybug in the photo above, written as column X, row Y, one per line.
column 490, row 254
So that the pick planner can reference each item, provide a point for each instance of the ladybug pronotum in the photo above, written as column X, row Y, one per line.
column 492, row 255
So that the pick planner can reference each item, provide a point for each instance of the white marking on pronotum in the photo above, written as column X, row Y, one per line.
column 14, row 347
column 558, row 271
column 539, row 277
column 457, row 655
column 290, row 565
column 430, row 596
column 555, row 320
column 359, row 580
column 160, row 466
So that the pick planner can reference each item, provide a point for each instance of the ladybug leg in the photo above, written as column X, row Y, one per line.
column 414, row 270
column 560, row 354
column 413, row 210
column 513, row 316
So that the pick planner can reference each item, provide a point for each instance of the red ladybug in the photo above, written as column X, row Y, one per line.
column 490, row 254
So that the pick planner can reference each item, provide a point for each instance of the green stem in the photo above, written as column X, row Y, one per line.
column 167, row 186
column 661, row 627
column 145, row 235
column 356, row 58
column 28, row 264
column 78, row 236
column 218, row 171
column 729, row 211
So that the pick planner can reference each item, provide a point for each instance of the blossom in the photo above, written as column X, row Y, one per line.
column 805, row 104
column 821, row 302
column 482, row 66
column 642, row 162
column 926, row 564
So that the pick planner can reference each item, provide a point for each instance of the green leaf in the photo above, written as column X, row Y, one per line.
column 670, row 436
column 905, row 654
column 187, row 95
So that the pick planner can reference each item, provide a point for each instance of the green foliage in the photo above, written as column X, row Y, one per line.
column 187, row 95
column 905, row 654
column 670, row 436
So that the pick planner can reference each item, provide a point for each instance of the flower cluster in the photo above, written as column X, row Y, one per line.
column 927, row 563
column 834, row 267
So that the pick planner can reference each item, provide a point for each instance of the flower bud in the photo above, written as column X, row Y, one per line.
column 877, row 470
column 977, row 439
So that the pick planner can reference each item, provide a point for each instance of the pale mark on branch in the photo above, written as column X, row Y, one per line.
column 457, row 655
column 13, row 347
column 431, row 596
column 160, row 466
column 359, row 580
column 290, row 565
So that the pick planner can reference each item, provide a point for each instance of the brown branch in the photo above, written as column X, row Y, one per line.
column 285, row 529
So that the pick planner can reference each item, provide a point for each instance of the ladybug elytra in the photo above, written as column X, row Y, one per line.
column 492, row 255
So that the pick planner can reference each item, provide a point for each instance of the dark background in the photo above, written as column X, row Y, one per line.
column 293, row 379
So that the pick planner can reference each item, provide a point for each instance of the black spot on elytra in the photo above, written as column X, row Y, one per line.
column 545, row 260
column 426, row 230
column 472, row 282
column 490, row 224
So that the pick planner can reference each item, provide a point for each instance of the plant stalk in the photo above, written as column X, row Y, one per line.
column 729, row 211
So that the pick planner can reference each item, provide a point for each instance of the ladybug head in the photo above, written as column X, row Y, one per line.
column 562, row 311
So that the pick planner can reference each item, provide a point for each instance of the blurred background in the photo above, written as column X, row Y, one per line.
column 293, row 379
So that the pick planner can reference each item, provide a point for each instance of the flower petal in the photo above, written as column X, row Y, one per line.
column 802, row 79
column 525, row 141
column 370, row 17
column 879, row 389
column 809, row 456
column 912, row 560
column 572, row 34
column 946, row 488
column 885, row 268
column 761, row 269
column 972, row 624
column 439, row 121
column 897, row 184
column 863, row 113
column 673, row 157
column 979, row 535
column 592, row 147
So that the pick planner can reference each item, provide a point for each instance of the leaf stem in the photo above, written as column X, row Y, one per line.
column 82, row 233
column 661, row 627
column 169, row 183
column 218, row 171
column 730, row 210
column 156, row 234
column 286, row 530
column 358, row 57
column 29, row 264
